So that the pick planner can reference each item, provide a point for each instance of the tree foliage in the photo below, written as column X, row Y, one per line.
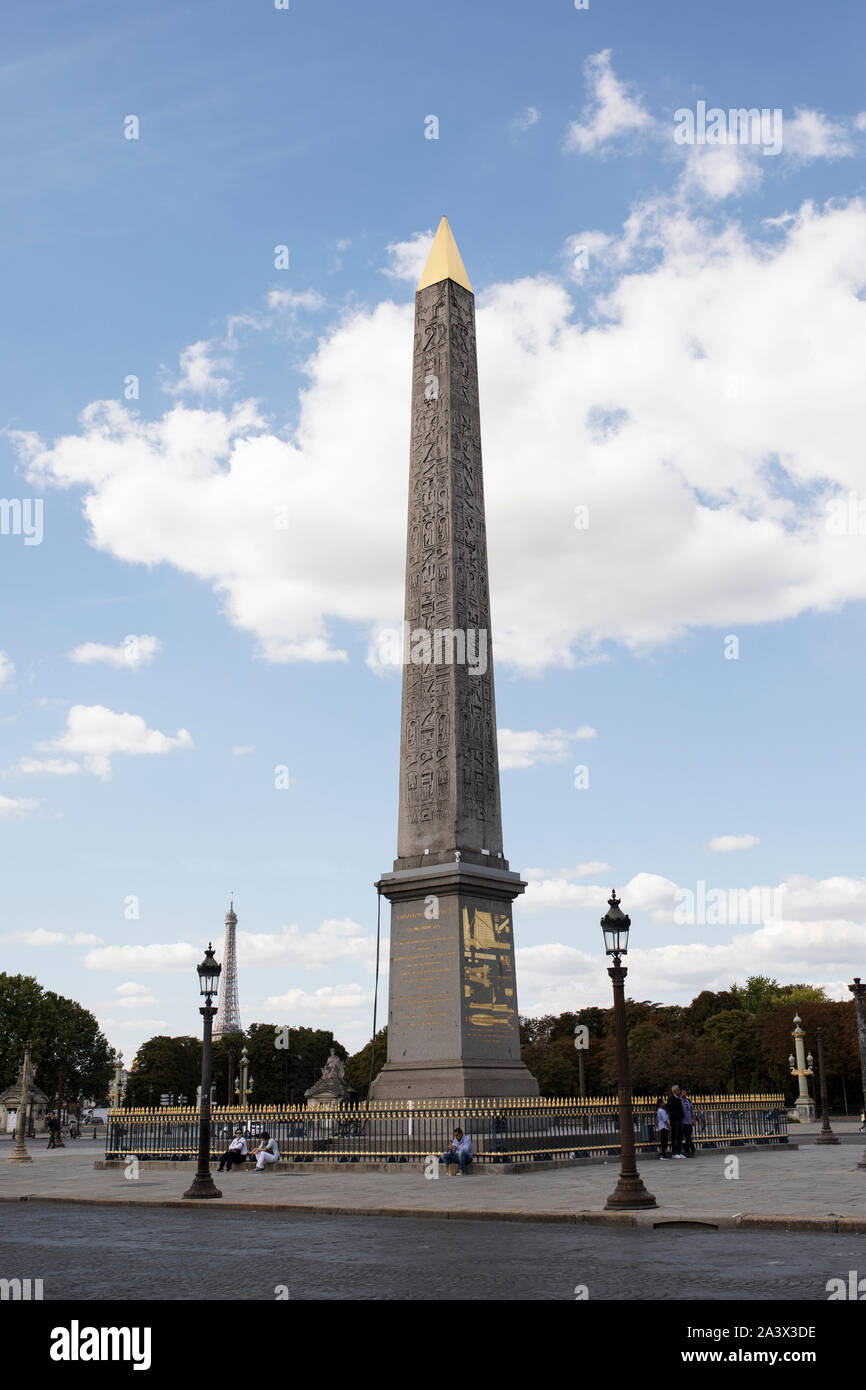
column 164, row 1066
column 68, row 1049
column 280, row 1074
column 358, row 1066
column 735, row 1040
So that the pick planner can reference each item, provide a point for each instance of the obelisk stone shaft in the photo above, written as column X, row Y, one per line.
column 449, row 770
column 453, row 1022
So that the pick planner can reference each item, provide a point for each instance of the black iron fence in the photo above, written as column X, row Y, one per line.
column 402, row 1132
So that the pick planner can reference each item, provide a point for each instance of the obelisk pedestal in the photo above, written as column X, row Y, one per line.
column 452, row 1022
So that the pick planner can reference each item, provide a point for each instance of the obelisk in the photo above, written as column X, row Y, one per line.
column 452, row 1018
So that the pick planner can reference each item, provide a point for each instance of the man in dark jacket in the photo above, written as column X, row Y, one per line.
column 54, row 1140
column 675, row 1111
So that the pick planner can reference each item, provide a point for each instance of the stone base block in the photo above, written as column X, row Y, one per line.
column 458, row 1080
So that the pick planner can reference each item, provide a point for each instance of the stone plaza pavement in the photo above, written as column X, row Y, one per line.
column 810, row 1187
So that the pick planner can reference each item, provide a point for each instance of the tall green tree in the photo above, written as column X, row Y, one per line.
column 281, row 1074
column 164, row 1066
column 70, row 1053
column 226, row 1066
column 760, row 990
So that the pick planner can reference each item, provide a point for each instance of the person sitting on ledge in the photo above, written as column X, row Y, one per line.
column 267, row 1152
column 460, row 1152
column 235, row 1153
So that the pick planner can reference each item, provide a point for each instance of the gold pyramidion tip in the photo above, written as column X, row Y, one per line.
column 444, row 261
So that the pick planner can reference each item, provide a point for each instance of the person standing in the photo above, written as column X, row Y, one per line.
column 688, row 1121
column 54, row 1140
column 675, row 1112
column 663, row 1126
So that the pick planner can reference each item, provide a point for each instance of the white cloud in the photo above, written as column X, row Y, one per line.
column 722, row 844
column 645, row 891
column 97, row 734
column 562, row 892
column 241, row 750
column 340, row 246
column 810, row 899
column 610, row 112
column 699, row 513
column 291, row 301
column 320, row 1004
column 7, row 669
column 797, row 899
column 593, row 866
column 409, row 257
column 15, row 807
column 526, row 119
column 345, row 1008
column 128, row 996
column 335, row 940
column 199, row 371
column 130, row 989
column 165, row 959
column 720, row 171
column 54, row 767
column 38, row 937
column 526, row 747
column 711, row 171
column 41, row 937
column 128, row 655
column 809, row 135
column 556, row 977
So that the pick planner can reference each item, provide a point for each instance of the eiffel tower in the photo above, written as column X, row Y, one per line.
column 228, row 1019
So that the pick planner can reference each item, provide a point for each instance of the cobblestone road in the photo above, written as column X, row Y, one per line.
column 122, row 1253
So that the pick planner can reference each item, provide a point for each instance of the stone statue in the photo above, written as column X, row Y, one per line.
column 332, row 1087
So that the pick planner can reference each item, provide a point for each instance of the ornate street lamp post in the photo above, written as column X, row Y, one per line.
column 203, row 1184
column 246, row 1086
column 858, row 992
column 801, row 1068
column 19, row 1154
column 629, row 1193
column 826, row 1136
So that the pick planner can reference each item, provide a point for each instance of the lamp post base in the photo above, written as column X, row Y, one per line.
column 203, row 1186
column 630, row 1195
column 20, row 1155
column 862, row 1163
column 827, row 1137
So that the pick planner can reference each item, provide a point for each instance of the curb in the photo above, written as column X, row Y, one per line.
column 641, row 1220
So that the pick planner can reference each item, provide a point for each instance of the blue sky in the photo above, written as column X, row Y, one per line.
column 692, row 377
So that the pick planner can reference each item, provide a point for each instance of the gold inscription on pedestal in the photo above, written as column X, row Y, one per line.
column 422, row 963
column 488, row 971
